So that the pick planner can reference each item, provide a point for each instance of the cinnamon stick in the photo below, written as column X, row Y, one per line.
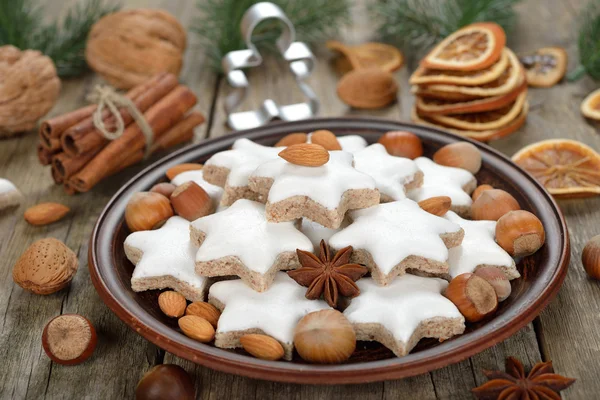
column 66, row 166
column 55, row 176
column 181, row 132
column 84, row 137
column 45, row 155
column 54, row 127
column 161, row 116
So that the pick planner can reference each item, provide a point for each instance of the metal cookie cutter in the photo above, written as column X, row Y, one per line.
column 297, row 54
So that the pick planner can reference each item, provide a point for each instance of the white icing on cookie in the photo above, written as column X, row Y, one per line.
column 325, row 184
column 352, row 143
column 390, row 173
column 243, row 231
column 276, row 311
column 402, row 305
column 478, row 247
column 242, row 159
column 165, row 252
column 215, row 192
column 439, row 180
column 391, row 232
column 317, row 232
column 9, row 194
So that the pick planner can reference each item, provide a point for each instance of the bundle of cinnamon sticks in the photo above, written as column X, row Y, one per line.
column 80, row 156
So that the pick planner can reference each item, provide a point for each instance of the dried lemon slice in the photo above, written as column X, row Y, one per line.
column 425, row 76
column 367, row 55
column 591, row 105
column 474, row 47
column 545, row 67
column 566, row 168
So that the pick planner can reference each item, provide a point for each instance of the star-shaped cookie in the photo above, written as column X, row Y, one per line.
column 404, row 312
column 394, row 237
column 322, row 194
column 439, row 180
column 239, row 241
column 275, row 312
column 349, row 143
column 215, row 192
column 478, row 249
column 393, row 175
column 230, row 169
column 164, row 258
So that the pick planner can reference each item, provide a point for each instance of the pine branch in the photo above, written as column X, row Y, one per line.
column 588, row 43
column 218, row 27
column 62, row 40
column 415, row 25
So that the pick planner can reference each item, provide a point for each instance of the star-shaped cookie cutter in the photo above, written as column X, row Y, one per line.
column 297, row 54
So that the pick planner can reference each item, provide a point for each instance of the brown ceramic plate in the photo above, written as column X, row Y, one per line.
column 543, row 273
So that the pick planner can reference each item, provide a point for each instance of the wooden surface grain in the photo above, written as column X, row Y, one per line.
column 566, row 332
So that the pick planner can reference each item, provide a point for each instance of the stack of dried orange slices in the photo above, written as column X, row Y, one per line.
column 472, row 85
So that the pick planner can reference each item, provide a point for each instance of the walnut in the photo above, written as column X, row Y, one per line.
column 29, row 88
column 128, row 47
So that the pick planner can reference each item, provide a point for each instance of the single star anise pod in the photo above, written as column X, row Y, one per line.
column 326, row 276
column 541, row 383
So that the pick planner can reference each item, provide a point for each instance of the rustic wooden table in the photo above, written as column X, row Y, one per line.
column 566, row 332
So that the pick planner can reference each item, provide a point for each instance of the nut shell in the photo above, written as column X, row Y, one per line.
column 402, row 144
column 520, row 233
column 459, row 155
column 204, row 310
column 474, row 297
column 191, row 201
column 147, row 210
column 492, row 204
column 367, row 88
column 45, row 267
column 591, row 257
column 172, row 304
column 262, row 346
column 495, row 277
column 69, row 339
column 480, row 189
column 165, row 381
column 164, row 188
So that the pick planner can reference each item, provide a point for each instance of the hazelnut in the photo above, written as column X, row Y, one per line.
column 492, row 204
column 69, row 339
column 495, row 277
column 165, row 381
column 176, row 170
column 204, row 310
column 520, row 233
column 480, row 189
column 591, row 257
column 292, row 138
column 147, row 210
column 172, row 304
column 436, row 205
column 262, row 346
column 191, row 201
column 164, row 188
column 474, row 297
column 402, row 144
column 459, row 155
column 325, row 337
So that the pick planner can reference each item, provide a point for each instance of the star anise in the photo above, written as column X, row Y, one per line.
column 541, row 383
column 326, row 276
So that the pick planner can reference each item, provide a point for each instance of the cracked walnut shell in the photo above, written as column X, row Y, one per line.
column 128, row 47
column 29, row 87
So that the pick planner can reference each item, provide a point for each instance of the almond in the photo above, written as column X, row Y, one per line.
column 191, row 201
column 176, row 170
column 436, row 205
column 197, row 328
column 305, row 154
column 172, row 304
column 45, row 213
column 45, row 267
column 204, row 310
column 262, row 346
column 326, row 139
column 292, row 138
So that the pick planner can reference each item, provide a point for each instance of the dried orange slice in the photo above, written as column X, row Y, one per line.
column 566, row 168
column 426, row 92
column 483, row 121
column 505, row 83
column 545, row 67
column 482, row 136
column 432, row 106
column 426, row 76
column 367, row 55
column 591, row 105
column 474, row 47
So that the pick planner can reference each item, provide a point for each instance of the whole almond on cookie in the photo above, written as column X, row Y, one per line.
column 305, row 154
column 436, row 205
column 197, row 328
column 262, row 346
column 292, row 138
column 45, row 213
column 172, row 303
column 204, row 310
column 45, row 267
column 326, row 139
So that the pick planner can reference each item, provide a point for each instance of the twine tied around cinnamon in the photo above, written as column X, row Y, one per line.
column 107, row 96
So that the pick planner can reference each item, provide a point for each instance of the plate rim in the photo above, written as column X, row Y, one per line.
column 393, row 368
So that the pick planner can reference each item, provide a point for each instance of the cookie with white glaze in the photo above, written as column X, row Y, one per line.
column 317, row 232
column 391, row 238
column 274, row 312
column 239, row 241
column 9, row 194
column 478, row 249
column 393, row 175
column 404, row 312
column 322, row 194
column 215, row 192
column 164, row 258
column 349, row 143
column 230, row 169
column 439, row 180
